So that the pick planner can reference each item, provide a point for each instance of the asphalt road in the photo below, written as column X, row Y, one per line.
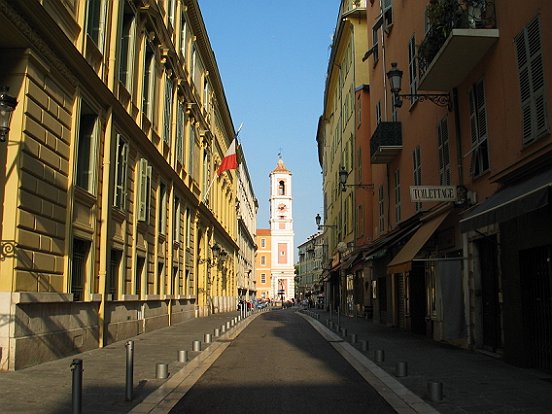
column 280, row 364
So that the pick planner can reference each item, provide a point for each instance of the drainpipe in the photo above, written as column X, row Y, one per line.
column 105, row 253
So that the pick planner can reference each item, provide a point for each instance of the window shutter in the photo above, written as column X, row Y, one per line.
column 142, row 189
column 531, row 82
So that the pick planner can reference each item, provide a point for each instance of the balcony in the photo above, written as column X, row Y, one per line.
column 461, row 33
column 386, row 143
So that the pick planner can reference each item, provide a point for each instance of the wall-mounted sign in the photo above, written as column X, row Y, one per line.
column 420, row 193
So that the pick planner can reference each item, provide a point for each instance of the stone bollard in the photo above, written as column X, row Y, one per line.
column 379, row 355
column 196, row 346
column 223, row 328
column 161, row 371
column 217, row 332
column 435, row 390
column 364, row 345
column 228, row 325
column 207, row 338
column 401, row 369
column 344, row 332
column 182, row 356
column 353, row 338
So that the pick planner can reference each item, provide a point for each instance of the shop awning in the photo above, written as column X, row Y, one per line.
column 511, row 202
column 402, row 262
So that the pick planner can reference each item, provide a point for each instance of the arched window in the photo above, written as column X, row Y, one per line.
column 282, row 188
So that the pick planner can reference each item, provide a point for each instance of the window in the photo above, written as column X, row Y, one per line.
column 387, row 12
column 531, row 82
column 206, row 93
column 176, row 220
column 79, row 268
column 114, row 272
column 375, row 39
column 417, row 171
column 188, row 228
column 170, row 11
column 183, row 37
column 263, row 278
column 191, row 149
column 126, row 44
column 179, row 142
column 95, row 15
column 162, row 208
column 378, row 113
column 121, row 173
column 381, row 207
column 144, row 190
column 148, row 81
column 397, row 191
column 263, row 243
column 444, row 154
column 167, row 115
column 161, row 277
column 86, row 150
column 263, row 260
column 138, row 276
column 412, row 70
column 479, row 133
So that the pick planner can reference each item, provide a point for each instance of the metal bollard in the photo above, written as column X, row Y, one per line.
column 228, row 325
column 217, row 332
column 207, row 338
column 223, row 328
column 435, row 390
column 379, row 355
column 161, row 371
column 196, row 346
column 182, row 356
column 129, row 370
column 401, row 369
column 353, row 338
column 76, row 368
column 364, row 345
column 344, row 332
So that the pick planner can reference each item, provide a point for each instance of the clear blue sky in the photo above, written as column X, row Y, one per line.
column 273, row 56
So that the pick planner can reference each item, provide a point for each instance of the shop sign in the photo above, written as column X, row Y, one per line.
column 419, row 193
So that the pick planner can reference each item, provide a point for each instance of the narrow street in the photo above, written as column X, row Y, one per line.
column 280, row 364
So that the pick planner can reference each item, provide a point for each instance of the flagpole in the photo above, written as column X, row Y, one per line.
column 209, row 189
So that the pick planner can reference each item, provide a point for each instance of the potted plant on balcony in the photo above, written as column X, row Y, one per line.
column 438, row 14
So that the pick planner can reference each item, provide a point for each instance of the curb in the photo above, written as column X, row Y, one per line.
column 396, row 394
column 164, row 398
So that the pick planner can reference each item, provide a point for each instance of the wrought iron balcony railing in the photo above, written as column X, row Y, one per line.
column 446, row 15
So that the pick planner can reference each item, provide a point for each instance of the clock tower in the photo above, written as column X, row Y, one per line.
column 281, row 229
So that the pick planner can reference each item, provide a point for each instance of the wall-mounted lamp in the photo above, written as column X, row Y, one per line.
column 7, row 106
column 344, row 174
column 320, row 226
column 395, row 77
column 218, row 256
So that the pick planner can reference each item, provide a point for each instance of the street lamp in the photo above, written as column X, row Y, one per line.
column 320, row 226
column 395, row 77
column 344, row 174
column 7, row 106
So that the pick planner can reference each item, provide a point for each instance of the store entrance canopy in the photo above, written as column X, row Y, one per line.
column 511, row 202
column 402, row 262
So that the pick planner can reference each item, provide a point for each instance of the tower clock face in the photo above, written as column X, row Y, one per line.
column 282, row 207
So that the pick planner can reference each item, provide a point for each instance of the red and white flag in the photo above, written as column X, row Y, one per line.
column 230, row 161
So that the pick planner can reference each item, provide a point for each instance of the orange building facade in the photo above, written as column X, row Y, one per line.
column 461, row 167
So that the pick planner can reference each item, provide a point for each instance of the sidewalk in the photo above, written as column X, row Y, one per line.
column 47, row 388
column 472, row 382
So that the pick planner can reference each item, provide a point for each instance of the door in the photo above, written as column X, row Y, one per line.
column 536, row 286
column 490, row 307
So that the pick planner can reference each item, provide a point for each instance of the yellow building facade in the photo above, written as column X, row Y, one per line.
column 114, row 221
